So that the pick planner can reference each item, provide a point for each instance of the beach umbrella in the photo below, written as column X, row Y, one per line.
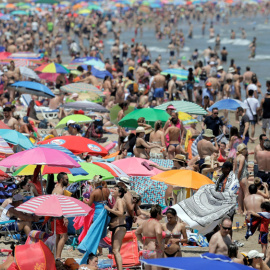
column 52, row 68
column 50, row 77
column 29, row 73
column 183, row 106
column 115, row 110
column 150, row 115
column 5, row 148
column 3, row 175
column 16, row 138
column 136, row 167
column 228, row 104
column 80, row 87
column 78, row 118
column 3, row 125
column 91, row 60
column 84, row 11
column 10, row 6
column 26, row 55
column 19, row 12
column 95, row 62
column 181, row 74
column 92, row 170
column 45, row 169
column 25, row 63
column 186, row 118
column 49, row 2
column 100, row 73
column 78, row 145
column 4, row 55
column 55, row 206
column 113, row 169
column 5, row 17
column 190, row 263
column 85, row 106
column 183, row 178
column 40, row 156
column 33, row 88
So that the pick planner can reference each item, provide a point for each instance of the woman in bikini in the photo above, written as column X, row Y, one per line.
column 173, row 230
column 141, row 145
column 157, row 137
column 118, row 223
column 150, row 234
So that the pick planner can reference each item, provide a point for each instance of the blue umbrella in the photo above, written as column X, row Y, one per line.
column 92, row 61
column 228, row 104
column 74, row 171
column 33, row 88
column 100, row 72
column 16, row 138
column 206, row 262
column 5, row 17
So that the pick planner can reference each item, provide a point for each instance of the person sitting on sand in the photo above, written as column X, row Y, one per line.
column 92, row 263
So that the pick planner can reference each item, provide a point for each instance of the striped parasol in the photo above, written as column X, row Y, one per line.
column 62, row 206
column 24, row 63
column 52, row 68
column 5, row 148
column 183, row 106
column 81, row 87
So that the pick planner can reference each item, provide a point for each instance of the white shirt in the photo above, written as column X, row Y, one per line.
column 253, row 104
column 34, row 26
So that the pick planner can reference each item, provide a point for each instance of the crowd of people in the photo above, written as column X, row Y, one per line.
column 232, row 150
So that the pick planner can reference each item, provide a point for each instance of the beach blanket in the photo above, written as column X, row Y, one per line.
column 205, row 209
column 152, row 192
column 166, row 163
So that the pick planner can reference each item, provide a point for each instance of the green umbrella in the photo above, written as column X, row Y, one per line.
column 150, row 115
column 184, row 106
column 78, row 118
column 47, row 2
column 93, row 170
column 19, row 12
column 115, row 110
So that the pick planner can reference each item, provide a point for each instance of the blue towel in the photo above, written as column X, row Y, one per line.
column 97, row 231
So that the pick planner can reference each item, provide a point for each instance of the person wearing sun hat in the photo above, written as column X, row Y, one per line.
column 254, row 259
column 179, row 162
column 170, row 108
column 141, row 145
column 208, row 91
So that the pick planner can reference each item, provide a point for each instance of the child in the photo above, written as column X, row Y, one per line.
column 265, row 220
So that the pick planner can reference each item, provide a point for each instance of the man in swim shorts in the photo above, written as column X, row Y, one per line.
column 158, row 84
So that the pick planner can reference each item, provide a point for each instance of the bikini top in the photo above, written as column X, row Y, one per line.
column 170, row 234
column 221, row 158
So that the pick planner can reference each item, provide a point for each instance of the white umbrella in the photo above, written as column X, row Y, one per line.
column 29, row 73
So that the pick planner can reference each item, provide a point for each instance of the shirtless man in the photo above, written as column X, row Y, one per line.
column 263, row 160
column 158, row 84
column 252, row 201
column 247, row 77
column 258, row 147
column 237, row 87
column 221, row 240
column 205, row 147
column 61, row 224
column 172, row 88
column 56, row 102
column 9, row 120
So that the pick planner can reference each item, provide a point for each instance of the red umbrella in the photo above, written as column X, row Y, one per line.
column 3, row 174
column 114, row 170
column 78, row 145
column 3, row 125
column 4, row 55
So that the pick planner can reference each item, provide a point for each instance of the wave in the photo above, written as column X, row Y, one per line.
column 236, row 42
column 262, row 27
column 156, row 49
column 260, row 57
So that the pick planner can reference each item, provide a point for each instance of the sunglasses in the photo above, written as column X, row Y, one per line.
column 227, row 228
column 216, row 113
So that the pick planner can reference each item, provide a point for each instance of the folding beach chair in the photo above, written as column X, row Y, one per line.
column 7, row 233
column 130, row 252
column 47, row 113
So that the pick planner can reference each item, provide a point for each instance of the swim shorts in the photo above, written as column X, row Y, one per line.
column 265, row 123
column 263, row 238
column 60, row 227
column 159, row 93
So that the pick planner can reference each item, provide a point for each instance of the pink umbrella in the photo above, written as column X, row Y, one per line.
column 54, row 206
column 51, row 77
column 40, row 156
column 136, row 166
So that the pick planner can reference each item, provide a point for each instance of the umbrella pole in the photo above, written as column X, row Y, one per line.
column 55, row 238
column 41, row 182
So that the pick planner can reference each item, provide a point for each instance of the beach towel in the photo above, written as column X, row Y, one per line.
column 34, row 236
column 205, row 209
column 97, row 231
column 166, row 163
column 152, row 192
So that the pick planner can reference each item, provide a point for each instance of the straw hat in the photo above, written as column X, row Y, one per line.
column 241, row 147
column 57, row 92
column 140, row 129
column 207, row 161
column 97, row 179
column 180, row 158
column 208, row 133
column 220, row 68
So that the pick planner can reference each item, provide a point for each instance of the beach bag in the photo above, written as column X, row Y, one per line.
column 43, row 124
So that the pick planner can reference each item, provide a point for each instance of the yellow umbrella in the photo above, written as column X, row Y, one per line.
column 183, row 178
column 186, row 118
column 84, row 11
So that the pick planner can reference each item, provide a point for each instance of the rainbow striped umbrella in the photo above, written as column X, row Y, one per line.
column 181, row 74
column 52, row 68
column 81, row 87
column 5, row 148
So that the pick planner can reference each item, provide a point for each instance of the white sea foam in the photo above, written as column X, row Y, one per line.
column 262, row 27
column 156, row 49
column 236, row 42
column 260, row 57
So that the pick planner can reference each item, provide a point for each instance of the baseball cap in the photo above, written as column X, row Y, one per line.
column 69, row 122
column 255, row 254
column 18, row 198
column 131, row 68
column 252, row 86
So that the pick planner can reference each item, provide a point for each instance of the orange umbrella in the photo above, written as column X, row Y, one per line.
column 77, row 6
column 10, row 6
column 183, row 178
